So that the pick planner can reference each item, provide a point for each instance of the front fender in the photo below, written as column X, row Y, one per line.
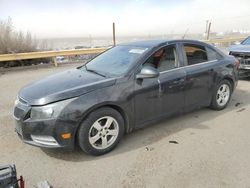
column 79, row 109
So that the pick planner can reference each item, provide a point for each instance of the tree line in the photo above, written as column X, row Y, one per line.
column 12, row 41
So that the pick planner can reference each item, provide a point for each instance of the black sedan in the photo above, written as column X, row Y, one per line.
column 125, row 88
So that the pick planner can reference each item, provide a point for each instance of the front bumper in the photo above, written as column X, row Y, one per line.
column 47, row 133
column 244, row 71
column 43, row 133
column 244, row 67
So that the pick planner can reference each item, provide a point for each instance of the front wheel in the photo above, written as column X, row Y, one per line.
column 221, row 95
column 101, row 131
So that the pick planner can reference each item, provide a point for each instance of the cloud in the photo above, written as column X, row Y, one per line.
column 133, row 17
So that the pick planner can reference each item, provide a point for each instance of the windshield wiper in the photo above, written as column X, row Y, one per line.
column 94, row 71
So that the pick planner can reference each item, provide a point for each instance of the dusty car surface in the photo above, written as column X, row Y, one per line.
column 125, row 88
column 242, row 53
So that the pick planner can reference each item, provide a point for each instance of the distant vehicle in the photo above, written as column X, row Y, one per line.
column 60, row 59
column 81, row 47
column 125, row 88
column 242, row 53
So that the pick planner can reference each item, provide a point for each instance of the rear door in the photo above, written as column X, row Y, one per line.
column 200, row 71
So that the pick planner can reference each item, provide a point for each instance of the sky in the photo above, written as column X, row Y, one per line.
column 81, row 18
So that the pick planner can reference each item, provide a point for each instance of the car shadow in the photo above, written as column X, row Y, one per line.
column 245, row 78
column 145, row 137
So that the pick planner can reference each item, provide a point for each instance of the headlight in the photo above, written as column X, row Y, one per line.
column 16, row 101
column 49, row 111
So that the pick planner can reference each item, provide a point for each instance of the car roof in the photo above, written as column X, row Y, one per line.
column 155, row 43
column 146, row 43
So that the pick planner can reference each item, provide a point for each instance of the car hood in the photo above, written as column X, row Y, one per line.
column 64, row 85
column 240, row 48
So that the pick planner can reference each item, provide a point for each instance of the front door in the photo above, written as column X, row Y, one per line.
column 161, row 96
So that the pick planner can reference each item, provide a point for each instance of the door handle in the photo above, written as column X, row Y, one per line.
column 211, row 70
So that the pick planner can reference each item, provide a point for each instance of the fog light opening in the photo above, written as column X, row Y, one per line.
column 45, row 140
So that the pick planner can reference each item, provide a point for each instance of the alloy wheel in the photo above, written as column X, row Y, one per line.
column 104, row 132
column 223, row 95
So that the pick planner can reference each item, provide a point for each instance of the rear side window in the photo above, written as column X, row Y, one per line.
column 195, row 54
column 212, row 54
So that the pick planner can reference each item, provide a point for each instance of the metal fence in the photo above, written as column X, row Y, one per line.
column 49, row 54
column 54, row 54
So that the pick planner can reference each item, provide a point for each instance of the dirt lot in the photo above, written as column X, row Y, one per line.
column 213, row 148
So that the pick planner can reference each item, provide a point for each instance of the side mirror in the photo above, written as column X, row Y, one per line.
column 148, row 72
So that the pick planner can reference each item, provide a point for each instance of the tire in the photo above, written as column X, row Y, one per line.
column 101, row 131
column 222, row 95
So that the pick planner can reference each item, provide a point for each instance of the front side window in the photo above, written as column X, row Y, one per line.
column 195, row 54
column 116, row 61
column 164, row 59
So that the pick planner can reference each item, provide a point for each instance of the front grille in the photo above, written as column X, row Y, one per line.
column 243, row 57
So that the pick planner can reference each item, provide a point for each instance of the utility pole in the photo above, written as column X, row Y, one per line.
column 114, row 34
column 207, row 21
column 208, row 30
column 183, row 37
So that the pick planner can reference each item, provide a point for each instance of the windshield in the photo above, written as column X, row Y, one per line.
column 247, row 41
column 116, row 61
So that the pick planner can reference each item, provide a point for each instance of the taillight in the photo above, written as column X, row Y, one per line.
column 237, row 63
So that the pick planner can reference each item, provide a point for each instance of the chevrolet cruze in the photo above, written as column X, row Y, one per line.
column 125, row 88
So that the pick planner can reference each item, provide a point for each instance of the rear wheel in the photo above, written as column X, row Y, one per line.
column 101, row 131
column 222, row 95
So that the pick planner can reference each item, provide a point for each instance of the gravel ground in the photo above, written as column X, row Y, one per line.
column 208, row 148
